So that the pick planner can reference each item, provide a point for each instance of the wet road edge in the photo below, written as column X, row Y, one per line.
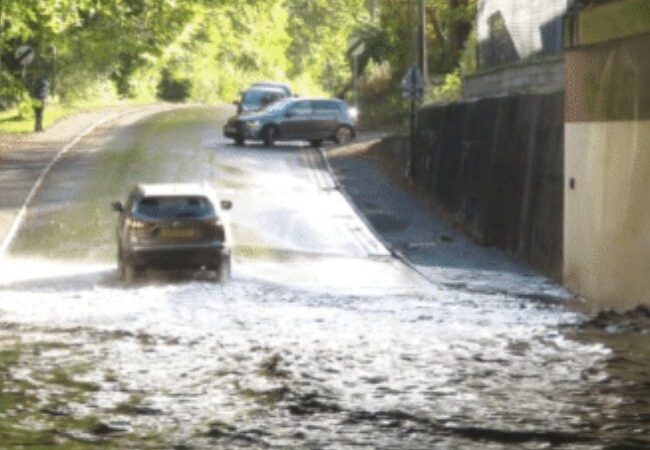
column 44, row 161
column 395, row 252
column 424, row 260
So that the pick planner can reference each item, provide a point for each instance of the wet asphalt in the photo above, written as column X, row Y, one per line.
column 323, row 339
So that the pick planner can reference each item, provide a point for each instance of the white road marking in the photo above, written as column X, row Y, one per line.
column 20, row 217
column 356, row 226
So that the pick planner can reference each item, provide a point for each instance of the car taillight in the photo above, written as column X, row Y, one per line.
column 140, row 227
column 216, row 227
column 213, row 223
column 135, row 224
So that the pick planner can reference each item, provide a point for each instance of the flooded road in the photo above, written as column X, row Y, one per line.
column 321, row 341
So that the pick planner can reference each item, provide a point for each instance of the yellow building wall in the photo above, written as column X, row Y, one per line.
column 607, row 155
column 607, row 212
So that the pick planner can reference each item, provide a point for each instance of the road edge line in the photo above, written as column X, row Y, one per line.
column 394, row 252
column 388, row 246
column 20, row 217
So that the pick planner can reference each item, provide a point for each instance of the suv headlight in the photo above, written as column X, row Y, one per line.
column 253, row 124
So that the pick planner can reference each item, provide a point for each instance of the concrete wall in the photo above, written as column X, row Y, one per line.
column 497, row 165
column 607, row 165
column 537, row 77
column 607, row 229
column 513, row 30
column 520, row 48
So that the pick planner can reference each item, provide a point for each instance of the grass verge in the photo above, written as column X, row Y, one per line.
column 13, row 121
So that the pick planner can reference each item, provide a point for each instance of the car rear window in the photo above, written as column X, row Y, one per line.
column 324, row 105
column 174, row 207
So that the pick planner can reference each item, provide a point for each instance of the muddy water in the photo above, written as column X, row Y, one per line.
column 253, row 364
column 314, row 344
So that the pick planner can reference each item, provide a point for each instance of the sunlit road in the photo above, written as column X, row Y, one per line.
column 321, row 340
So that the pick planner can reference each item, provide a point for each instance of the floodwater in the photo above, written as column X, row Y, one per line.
column 321, row 340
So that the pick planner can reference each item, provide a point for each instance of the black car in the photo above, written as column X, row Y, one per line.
column 258, row 97
column 172, row 226
column 313, row 120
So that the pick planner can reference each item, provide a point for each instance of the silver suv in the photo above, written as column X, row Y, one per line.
column 172, row 226
column 295, row 119
column 258, row 97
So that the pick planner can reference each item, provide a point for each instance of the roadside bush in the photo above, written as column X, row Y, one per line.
column 380, row 102
column 10, row 90
column 449, row 90
column 25, row 108
column 173, row 89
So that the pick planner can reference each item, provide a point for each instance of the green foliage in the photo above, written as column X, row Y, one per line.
column 173, row 89
column 320, row 30
column 211, row 49
column 377, row 105
column 208, row 50
column 449, row 91
column 390, row 40
column 468, row 58
column 222, row 49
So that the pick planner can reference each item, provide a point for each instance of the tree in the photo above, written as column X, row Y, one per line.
column 126, row 47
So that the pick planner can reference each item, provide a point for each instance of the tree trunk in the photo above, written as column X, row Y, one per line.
column 460, row 29
column 2, row 19
column 433, row 17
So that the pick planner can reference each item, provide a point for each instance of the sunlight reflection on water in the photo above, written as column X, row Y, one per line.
column 269, row 357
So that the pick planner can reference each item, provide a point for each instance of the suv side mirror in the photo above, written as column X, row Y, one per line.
column 226, row 204
column 117, row 207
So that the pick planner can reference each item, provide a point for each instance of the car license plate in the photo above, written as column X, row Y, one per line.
column 177, row 233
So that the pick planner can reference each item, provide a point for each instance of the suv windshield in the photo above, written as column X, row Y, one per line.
column 259, row 98
column 174, row 207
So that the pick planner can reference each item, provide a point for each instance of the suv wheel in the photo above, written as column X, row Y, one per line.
column 223, row 271
column 343, row 135
column 240, row 141
column 129, row 272
column 269, row 134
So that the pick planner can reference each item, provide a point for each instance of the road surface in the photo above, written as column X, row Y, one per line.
column 322, row 340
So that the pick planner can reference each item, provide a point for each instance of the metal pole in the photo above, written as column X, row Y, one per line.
column 2, row 18
column 54, row 56
column 422, row 40
column 414, row 36
column 355, row 68
column 412, row 142
column 409, row 169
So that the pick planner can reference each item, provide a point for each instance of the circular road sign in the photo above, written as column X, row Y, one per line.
column 24, row 55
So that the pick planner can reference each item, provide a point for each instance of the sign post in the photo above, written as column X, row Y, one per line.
column 24, row 56
column 413, row 88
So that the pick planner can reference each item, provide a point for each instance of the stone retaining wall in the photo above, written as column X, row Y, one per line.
column 497, row 165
